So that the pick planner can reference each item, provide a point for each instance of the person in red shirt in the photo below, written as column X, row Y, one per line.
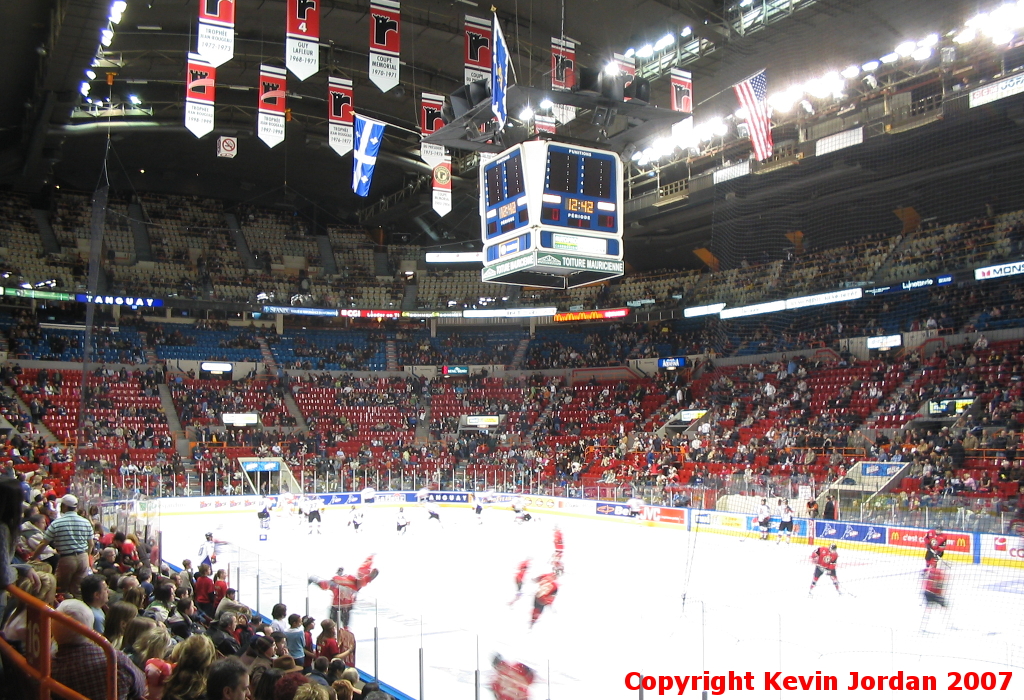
column 512, row 681
column 327, row 643
column 824, row 559
column 521, row 570
column 220, row 587
column 343, row 588
column 556, row 558
column 547, row 589
column 366, row 571
column 934, row 592
column 128, row 555
column 935, row 547
column 204, row 591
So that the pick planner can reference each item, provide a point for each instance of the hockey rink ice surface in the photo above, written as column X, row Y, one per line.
column 621, row 608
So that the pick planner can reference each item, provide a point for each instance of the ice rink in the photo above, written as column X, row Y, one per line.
column 621, row 608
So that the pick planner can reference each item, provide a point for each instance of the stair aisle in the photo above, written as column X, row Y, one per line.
column 517, row 359
column 391, row 352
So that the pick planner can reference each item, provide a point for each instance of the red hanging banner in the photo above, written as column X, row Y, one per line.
column 682, row 91
column 478, row 49
column 200, row 95
column 385, row 43
column 271, row 118
column 302, row 42
column 216, row 36
column 339, row 117
column 563, row 64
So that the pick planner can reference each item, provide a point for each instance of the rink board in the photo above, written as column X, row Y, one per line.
column 962, row 547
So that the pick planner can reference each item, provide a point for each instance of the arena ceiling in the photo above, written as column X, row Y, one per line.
column 46, row 57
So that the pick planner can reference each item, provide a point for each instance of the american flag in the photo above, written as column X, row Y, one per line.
column 753, row 96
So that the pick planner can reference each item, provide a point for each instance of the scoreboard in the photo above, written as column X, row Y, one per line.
column 551, row 215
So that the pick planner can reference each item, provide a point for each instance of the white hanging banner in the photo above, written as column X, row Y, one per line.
column 385, row 43
column 339, row 116
column 216, row 35
column 442, row 189
column 302, row 38
column 432, row 154
column 200, row 97
column 270, row 121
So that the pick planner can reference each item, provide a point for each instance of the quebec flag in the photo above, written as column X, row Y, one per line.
column 369, row 135
column 499, row 73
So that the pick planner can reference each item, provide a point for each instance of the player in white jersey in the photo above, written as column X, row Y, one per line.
column 764, row 517
column 263, row 512
column 403, row 522
column 208, row 551
column 636, row 507
column 785, row 522
column 355, row 519
column 311, row 507
column 423, row 494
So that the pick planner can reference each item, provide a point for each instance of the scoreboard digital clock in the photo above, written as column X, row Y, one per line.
column 543, row 196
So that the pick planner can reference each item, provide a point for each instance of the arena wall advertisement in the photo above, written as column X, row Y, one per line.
column 966, row 547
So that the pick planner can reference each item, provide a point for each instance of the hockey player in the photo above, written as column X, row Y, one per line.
column 556, row 558
column 478, row 508
column 432, row 513
column 511, row 680
column 636, row 507
column 547, row 589
column 934, row 592
column 343, row 590
column 366, row 572
column 355, row 519
column 423, row 494
column 403, row 522
column 312, row 508
column 764, row 518
column 935, row 547
column 519, row 508
column 824, row 559
column 263, row 513
column 208, row 551
column 521, row 570
column 785, row 522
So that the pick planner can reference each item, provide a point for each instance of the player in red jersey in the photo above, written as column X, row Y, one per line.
column 935, row 547
column 366, row 571
column 511, row 680
column 343, row 589
column 556, row 558
column 524, row 565
column 824, row 559
column 547, row 589
column 934, row 592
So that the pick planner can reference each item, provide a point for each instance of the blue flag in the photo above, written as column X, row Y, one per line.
column 369, row 135
column 499, row 73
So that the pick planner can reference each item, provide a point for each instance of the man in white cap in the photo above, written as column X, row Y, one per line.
column 81, row 665
column 71, row 536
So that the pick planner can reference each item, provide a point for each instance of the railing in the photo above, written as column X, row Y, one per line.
column 35, row 663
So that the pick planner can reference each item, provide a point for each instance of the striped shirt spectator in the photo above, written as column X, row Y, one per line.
column 71, row 536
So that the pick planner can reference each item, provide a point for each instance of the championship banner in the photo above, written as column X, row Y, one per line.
column 478, row 49
column 302, row 42
column 270, row 121
column 200, row 95
column 385, row 42
column 216, row 36
column 682, row 91
column 563, row 64
column 544, row 124
column 442, row 189
column 339, row 117
column 433, row 154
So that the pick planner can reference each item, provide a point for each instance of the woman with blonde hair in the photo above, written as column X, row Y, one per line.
column 152, row 647
column 135, row 596
column 118, row 617
column 135, row 628
column 192, row 660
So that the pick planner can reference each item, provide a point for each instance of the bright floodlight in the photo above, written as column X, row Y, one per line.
column 90, row 74
column 664, row 42
column 741, row 113
column 106, row 36
column 850, row 72
column 629, row 52
column 526, row 114
column 546, row 104
column 890, row 58
column 922, row 53
column 84, row 88
column 611, row 68
column 719, row 127
column 929, row 41
column 966, row 36
column 645, row 51
column 134, row 100
column 687, row 31
column 870, row 66
column 906, row 48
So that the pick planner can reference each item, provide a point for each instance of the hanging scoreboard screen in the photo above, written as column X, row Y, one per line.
column 551, row 215
column 580, row 189
column 504, row 191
